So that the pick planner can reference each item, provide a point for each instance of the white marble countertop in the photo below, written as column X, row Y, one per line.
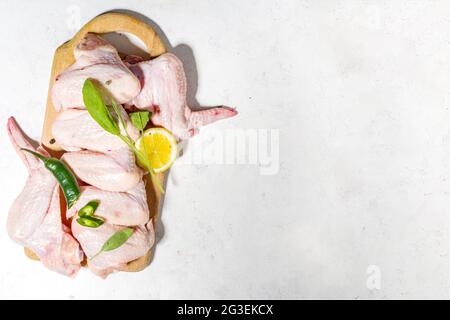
column 353, row 199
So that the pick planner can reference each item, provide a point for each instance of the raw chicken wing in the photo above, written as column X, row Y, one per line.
column 112, row 171
column 34, row 220
column 75, row 130
column 95, row 59
column 122, row 208
column 92, row 239
column 164, row 93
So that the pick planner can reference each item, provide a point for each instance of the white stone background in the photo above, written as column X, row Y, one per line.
column 360, row 94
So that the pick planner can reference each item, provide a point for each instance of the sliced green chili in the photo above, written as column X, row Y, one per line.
column 86, row 215
column 88, row 209
column 63, row 175
column 90, row 222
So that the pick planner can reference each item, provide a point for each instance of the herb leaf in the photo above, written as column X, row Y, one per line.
column 97, row 109
column 139, row 119
column 116, row 240
column 119, row 115
column 104, row 117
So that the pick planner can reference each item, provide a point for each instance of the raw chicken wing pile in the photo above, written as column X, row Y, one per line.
column 104, row 166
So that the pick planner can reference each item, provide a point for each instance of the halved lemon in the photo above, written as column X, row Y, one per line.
column 160, row 147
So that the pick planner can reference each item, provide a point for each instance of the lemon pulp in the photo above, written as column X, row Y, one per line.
column 160, row 147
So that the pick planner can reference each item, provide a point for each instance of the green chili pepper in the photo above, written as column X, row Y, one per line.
column 63, row 175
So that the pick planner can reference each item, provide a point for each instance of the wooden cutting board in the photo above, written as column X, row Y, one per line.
column 63, row 58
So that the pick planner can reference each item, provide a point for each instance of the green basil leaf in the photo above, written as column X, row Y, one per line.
column 140, row 119
column 97, row 109
column 90, row 222
column 116, row 109
column 88, row 209
column 116, row 240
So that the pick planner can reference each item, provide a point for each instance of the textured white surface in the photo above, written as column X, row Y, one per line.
column 360, row 93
